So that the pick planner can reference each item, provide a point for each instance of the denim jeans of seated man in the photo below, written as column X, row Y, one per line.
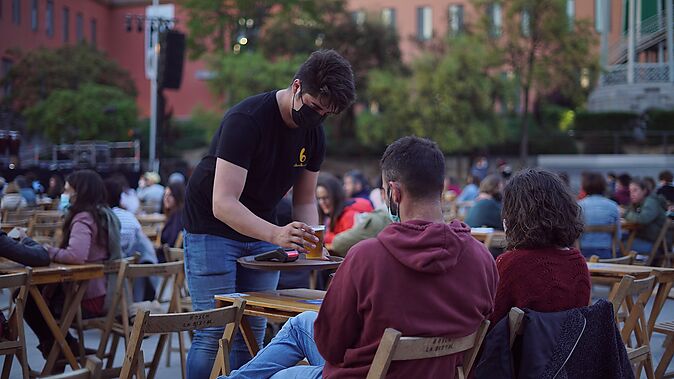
column 278, row 360
column 211, row 269
column 642, row 246
column 600, row 252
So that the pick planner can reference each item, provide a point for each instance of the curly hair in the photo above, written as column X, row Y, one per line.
column 539, row 211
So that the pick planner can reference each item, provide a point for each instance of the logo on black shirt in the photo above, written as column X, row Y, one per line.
column 302, row 159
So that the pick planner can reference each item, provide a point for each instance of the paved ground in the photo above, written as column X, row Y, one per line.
column 92, row 338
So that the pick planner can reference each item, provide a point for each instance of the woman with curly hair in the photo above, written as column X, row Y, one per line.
column 541, row 270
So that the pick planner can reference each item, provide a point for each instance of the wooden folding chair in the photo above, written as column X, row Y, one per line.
column 515, row 323
column 15, row 344
column 608, row 229
column 118, row 325
column 146, row 323
column 91, row 370
column 624, row 260
column 659, row 249
column 394, row 347
column 635, row 320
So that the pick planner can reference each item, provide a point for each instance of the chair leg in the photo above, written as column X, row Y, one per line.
column 666, row 358
column 7, row 366
column 183, row 358
column 113, row 351
column 648, row 367
column 168, row 350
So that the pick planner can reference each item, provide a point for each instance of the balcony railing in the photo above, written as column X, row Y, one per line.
column 643, row 73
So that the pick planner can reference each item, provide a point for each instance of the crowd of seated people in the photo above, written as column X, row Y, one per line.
column 486, row 210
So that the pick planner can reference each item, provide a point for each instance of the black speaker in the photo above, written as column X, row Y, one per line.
column 171, row 54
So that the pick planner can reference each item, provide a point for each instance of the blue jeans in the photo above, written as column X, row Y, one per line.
column 602, row 253
column 211, row 269
column 294, row 342
column 642, row 246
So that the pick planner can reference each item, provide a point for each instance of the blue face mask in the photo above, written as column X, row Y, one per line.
column 393, row 214
column 64, row 202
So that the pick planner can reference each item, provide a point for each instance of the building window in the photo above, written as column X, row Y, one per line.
column 33, row 15
column 79, row 27
column 358, row 17
column 16, row 12
column 526, row 23
column 455, row 19
column 93, row 32
column 66, row 24
column 49, row 17
column 6, row 66
column 599, row 15
column 388, row 17
column 495, row 20
column 424, row 23
column 571, row 12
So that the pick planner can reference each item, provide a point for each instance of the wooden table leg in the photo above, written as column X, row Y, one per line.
column 248, row 336
column 627, row 247
column 55, row 330
column 72, row 301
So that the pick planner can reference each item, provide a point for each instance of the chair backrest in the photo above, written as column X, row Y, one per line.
column 634, row 294
column 659, row 248
column 625, row 260
column 394, row 347
column 15, row 342
column 92, row 370
column 174, row 254
column 147, row 323
column 515, row 323
column 611, row 229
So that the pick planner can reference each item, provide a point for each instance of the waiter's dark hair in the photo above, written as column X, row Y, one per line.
column 328, row 77
column 418, row 164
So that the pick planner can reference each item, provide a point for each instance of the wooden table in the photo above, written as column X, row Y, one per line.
column 485, row 235
column 75, row 279
column 278, row 306
column 152, row 218
column 612, row 274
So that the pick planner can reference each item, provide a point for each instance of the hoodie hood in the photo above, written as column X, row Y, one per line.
column 423, row 246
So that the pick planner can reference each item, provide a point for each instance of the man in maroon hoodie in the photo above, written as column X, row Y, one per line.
column 420, row 276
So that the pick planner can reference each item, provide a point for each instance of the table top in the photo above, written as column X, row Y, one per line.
column 55, row 272
column 279, row 302
column 618, row 271
column 300, row 264
column 151, row 218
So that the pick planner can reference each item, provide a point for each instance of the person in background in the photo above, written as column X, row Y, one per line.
column 12, row 199
column 26, row 190
column 610, row 184
column 486, row 212
column 470, row 190
column 565, row 178
column 541, row 270
column 447, row 278
column 173, row 203
column 597, row 210
column 151, row 192
column 504, row 169
column 666, row 189
column 582, row 194
column 128, row 200
column 367, row 226
column 34, row 183
column 622, row 190
column 132, row 239
column 90, row 235
column 356, row 185
column 337, row 213
column 55, row 188
column 650, row 183
column 177, row 177
column 648, row 210
column 376, row 196
column 22, row 249
column 452, row 190
column 480, row 169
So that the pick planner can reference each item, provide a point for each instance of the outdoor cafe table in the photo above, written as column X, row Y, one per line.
column 75, row 279
column 277, row 306
column 613, row 273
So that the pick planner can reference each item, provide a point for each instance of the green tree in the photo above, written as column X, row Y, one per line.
column 93, row 111
column 449, row 97
column 43, row 71
column 545, row 50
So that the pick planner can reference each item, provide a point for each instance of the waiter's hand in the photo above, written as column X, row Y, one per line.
column 296, row 235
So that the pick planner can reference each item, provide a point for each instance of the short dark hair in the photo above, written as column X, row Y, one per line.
column 650, row 182
column 624, row 179
column 666, row 176
column 539, row 211
column 593, row 183
column 359, row 177
column 336, row 193
column 113, row 187
column 417, row 163
column 328, row 77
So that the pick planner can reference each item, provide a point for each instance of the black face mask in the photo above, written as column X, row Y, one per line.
column 306, row 117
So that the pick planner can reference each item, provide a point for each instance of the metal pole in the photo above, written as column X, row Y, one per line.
column 630, row 41
column 669, row 24
column 152, row 161
column 605, row 19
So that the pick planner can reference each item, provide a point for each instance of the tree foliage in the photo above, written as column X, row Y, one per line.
column 41, row 72
column 449, row 97
column 93, row 111
column 545, row 50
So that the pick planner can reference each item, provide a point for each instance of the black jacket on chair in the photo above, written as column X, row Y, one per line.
column 579, row 343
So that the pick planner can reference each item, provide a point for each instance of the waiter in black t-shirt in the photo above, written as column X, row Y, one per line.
column 265, row 145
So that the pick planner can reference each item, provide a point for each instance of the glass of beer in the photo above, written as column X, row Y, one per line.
column 316, row 252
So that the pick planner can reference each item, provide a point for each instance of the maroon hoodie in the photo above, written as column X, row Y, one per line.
column 423, row 279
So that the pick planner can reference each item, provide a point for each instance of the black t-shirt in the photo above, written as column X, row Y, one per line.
column 667, row 191
column 253, row 136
